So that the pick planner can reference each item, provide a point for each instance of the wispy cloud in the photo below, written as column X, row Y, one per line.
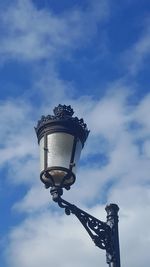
column 139, row 52
column 32, row 34
column 39, row 233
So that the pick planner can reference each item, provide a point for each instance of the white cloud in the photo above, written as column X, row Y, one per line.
column 141, row 114
column 17, row 148
column 36, row 198
column 138, row 54
column 51, row 88
column 32, row 34
column 34, row 243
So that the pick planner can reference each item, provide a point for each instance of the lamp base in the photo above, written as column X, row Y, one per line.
column 57, row 177
column 56, row 193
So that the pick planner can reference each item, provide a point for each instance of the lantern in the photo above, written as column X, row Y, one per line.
column 61, row 138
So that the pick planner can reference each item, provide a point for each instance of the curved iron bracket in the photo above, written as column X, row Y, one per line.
column 98, row 231
column 103, row 234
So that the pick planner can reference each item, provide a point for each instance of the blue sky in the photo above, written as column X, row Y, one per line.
column 95, row 56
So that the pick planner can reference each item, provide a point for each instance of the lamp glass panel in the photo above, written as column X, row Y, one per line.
column 59, row 153
column 77, row 155
column 41, row 154
column 59, row 149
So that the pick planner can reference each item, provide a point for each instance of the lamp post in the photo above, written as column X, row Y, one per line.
column 61, row 138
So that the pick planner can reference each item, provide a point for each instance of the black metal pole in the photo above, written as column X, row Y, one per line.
column 113, row 255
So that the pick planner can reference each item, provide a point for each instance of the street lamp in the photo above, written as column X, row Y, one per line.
column 61, row 138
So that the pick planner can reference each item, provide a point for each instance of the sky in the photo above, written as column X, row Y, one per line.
column 93, row 55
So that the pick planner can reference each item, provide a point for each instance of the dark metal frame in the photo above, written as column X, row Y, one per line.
column 103, row 234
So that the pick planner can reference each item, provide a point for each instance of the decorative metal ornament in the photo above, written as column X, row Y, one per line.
column 62, row 120
column 98, row 230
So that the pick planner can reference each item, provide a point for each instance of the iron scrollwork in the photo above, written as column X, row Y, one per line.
column 103, row 234
column 99, row 231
